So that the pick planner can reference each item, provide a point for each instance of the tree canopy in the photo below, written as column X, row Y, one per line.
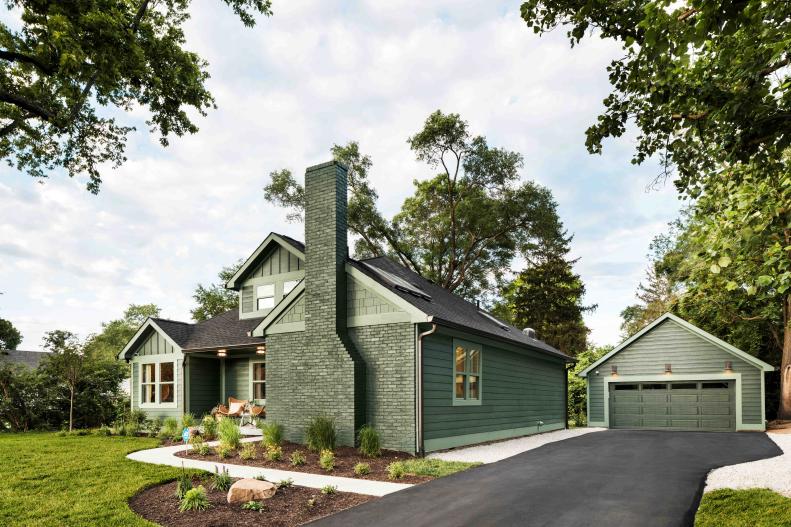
column 10, row 337
column 462, row 227
column 215, row 299
column 114, row 335
column 72, row 66
column 705, row 82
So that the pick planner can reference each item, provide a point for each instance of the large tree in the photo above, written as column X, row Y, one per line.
column 547, row 295
column 115, row 334
column 705, row 82
column 462, row 227
column 10, row 337
column 215, row 299
column 69, row 67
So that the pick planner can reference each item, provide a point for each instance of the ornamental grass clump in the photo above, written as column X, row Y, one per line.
column 320, row 434
column 195, row 500
column 221, row 480
column 273, row 433
column 329, row 489
column 362, row 469
column 183, row 484
column 369, row 441
column 170, row 429
column 223, row 451
column 229, row 432
column 274, row 453
column 297, row 458
column 396, row 470
column 209, row 427
column 285, row 483
column 187, row 420
column 327, row 460
column 248, row 451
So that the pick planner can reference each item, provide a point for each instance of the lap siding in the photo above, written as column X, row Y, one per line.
column 519, row 389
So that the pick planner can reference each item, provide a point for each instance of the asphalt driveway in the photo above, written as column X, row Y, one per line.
column 610, row 478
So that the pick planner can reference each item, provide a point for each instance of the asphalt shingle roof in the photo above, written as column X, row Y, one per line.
column 225, row 329
column 28, row 358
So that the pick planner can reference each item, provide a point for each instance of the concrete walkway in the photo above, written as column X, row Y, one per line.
column 774, row 473
column 167, row 456
column 491, row 452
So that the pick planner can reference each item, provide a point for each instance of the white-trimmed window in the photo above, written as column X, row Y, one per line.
column 265, row 296
column 289, row 285
column 466, row 372
column 258, row 382
column 158, row 383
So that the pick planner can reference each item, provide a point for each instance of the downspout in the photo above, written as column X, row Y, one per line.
column 420, row 387
column 566, row 395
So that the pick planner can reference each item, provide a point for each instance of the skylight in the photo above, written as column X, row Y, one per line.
column 495, row 320
column 399, row 283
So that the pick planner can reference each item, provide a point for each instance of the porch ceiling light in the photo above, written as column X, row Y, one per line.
column 222, row 353
column 260, row 350
column 614, row 370
column 728, row 366
column 668, row 369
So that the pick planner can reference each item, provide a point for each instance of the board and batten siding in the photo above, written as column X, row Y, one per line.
column 156, row 348
column 204, row 384
column 688, row 354
column 237, row 378
column 522, row 392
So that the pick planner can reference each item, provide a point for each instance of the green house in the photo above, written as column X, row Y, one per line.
column 362, row 341
column 672, row 375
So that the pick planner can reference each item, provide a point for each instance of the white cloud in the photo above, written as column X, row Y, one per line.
column 313, row 75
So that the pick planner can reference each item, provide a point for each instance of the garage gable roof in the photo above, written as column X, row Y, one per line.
column 758, row 363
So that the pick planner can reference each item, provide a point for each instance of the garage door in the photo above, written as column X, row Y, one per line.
column 701, row 405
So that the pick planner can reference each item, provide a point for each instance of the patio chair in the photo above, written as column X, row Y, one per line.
column 258, row 411
column 235, row 408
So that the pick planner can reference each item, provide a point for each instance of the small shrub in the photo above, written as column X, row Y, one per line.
column 261, row 477
column 187, row 420
column 362, row 469
column 248, row 451
column 131, row 429
column 320, row 434
column 229, row 433
column 196, row 442
column 183, row 484
column 170, row 428
column 155, row 426
column 273, row 433
column 311, row 503
column 254, row 506
column 297, row 458
column 329, row 489
column 209, row 427
column 274, row 453
column 138, row 418
column 194, row 500
column 327, row 460
column 285, row 483
column 369, row 441
column 223, row 451
column 104, row 431
column 221, row 480
column 395, row 470
column 204, row 450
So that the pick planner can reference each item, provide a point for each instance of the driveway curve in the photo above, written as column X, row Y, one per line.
column 610, row 478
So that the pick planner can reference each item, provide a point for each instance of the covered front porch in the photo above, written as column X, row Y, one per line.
column 215, row 375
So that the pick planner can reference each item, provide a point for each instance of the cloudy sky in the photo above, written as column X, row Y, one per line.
column 314, row 74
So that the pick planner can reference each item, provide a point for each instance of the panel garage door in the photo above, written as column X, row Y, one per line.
column 701, row 405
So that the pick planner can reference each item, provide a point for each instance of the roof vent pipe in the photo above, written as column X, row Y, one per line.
column 530, row 332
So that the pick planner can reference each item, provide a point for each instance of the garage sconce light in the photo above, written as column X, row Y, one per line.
column 260, row 350
column 728, row 366
column 614, row 371
column 668, row 369
column 222, row 353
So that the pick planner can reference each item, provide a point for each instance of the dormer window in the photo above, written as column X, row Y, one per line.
column 265, row 296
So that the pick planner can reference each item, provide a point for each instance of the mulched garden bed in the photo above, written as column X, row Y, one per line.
column 345, row 459
column 288, row 507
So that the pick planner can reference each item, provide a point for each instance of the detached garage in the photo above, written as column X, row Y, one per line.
column 674, row 376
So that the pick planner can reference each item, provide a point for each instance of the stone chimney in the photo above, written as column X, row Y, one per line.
column 336, row 369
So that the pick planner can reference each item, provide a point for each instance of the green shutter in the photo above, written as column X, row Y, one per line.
column 247, row 299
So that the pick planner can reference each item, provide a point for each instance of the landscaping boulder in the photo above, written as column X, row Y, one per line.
column 247, row 489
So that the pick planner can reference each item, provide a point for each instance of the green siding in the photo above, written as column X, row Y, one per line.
column 279, row 261
column 155, row 344
column 519, row 389
column 295, row 313
column 204, row 384
column 361, row 300
column 237, row 378
column 688, row 354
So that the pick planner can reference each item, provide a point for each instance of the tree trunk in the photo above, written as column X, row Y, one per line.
column 784, row 411
column 71, row 410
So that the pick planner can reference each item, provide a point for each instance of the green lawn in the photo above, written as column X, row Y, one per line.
column 73, row 480
column 754, row 507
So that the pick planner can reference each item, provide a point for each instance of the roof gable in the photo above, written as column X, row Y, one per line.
column 253, row 264
column 178, row 329
column 708, row 337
